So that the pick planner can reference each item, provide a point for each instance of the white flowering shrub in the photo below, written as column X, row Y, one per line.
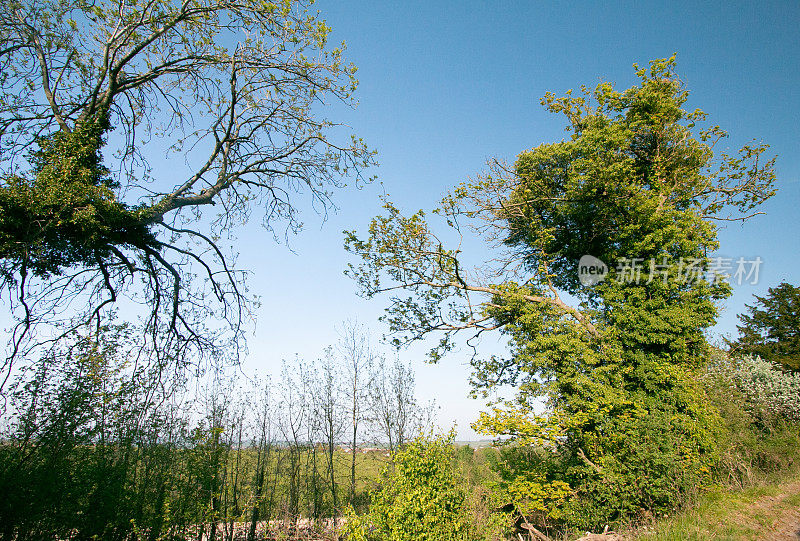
column 771, row 392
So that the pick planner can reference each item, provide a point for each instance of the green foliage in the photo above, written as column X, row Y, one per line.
column 756, row 476
column 526, row 481
column 653, row 460
column 96, row 443
column 629, row 427
column 67, row 214
column 771, row 329
column 626, row 426
column 752, row 452
column 68, row 463
column 611, row 467
column 421, row 498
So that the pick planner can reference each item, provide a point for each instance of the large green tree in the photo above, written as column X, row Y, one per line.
column 771, row 328
column 124, row 122
column 604, row 371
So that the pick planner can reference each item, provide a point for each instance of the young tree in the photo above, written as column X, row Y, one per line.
column 328, row 407
column 394, row 412
column 637, row 186
column 772, row 328
column 357, row 357
column 261, row 507
column 293, row 426
column 91, row 97
column 210, row 454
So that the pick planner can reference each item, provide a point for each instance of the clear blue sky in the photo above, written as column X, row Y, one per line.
column 446, row 85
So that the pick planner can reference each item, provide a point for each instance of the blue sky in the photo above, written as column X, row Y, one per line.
column 446, row 85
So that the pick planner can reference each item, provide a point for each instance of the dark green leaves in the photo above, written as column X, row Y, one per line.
column 67, row 213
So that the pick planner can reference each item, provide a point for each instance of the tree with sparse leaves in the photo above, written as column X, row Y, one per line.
column 614, row 363
column 94, row 96
column 771, row 328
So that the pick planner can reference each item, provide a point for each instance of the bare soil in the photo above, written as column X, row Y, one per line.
column 784, row 512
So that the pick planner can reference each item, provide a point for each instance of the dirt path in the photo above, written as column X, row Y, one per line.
column 770, row 513
column 783, row 511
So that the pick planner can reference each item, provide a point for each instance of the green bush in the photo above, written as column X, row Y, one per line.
column 623, row 454
column 422, row 499
column 653, row 461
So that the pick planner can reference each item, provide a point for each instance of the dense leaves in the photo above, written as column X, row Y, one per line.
column 421, row 498
column 637, row 186
column 67, row 215
column 771, row 328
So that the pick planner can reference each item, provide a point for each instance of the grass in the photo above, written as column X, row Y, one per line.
column 722, row 514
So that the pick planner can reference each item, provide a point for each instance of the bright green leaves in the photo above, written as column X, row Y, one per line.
column 403, row 250
column 526, row 429
column 535, row 496
column 540, row 499
column 422, row 498
column 403, row 246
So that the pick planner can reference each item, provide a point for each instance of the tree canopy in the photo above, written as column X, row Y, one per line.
column 122, row 123
column 638, row 185
column 771, row 328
